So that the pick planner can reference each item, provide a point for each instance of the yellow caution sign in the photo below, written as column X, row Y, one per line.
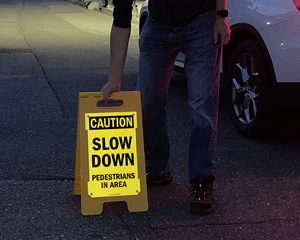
column 110, row 163
column 113, row 165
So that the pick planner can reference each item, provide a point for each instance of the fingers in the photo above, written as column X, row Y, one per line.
column 224, row 41
column 222, row 36
column 221, row 42
column 107, row 101
column 107, row 90
column 216, row 37
column 105, row 95
column 221, row 32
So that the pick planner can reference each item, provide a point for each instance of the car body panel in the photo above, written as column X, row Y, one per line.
column 277, row 26
column 260, row 13
column 284, row 49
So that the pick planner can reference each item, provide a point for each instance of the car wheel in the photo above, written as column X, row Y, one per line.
column 249, row 83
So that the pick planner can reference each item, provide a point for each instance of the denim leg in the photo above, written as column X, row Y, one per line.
column 202, row 67
column 157, row 56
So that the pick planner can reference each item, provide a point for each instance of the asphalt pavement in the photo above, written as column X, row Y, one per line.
column 50, row 51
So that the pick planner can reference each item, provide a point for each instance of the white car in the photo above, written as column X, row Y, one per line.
column 261, row 63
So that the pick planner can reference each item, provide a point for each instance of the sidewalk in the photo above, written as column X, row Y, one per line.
column 109, row 9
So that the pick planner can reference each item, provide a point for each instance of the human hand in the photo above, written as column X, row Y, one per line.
column 108, row 89
column 221, row 31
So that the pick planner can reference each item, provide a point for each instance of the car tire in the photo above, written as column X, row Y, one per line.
column 250, row 88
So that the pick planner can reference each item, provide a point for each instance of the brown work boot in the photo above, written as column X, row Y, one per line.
column 202, row 199
column 158, row 180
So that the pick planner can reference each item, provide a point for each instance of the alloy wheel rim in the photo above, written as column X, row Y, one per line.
column 245, row 89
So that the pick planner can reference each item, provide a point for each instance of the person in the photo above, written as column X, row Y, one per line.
column 199, row 29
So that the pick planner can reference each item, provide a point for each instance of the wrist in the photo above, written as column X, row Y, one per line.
column 221, row 13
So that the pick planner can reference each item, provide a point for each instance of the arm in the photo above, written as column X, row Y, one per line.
column 221, row 28
column 119, row 39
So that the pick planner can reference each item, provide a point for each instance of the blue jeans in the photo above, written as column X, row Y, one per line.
column 159, row 46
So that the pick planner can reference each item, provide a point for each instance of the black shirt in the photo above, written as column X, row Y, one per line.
column 169, row 12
